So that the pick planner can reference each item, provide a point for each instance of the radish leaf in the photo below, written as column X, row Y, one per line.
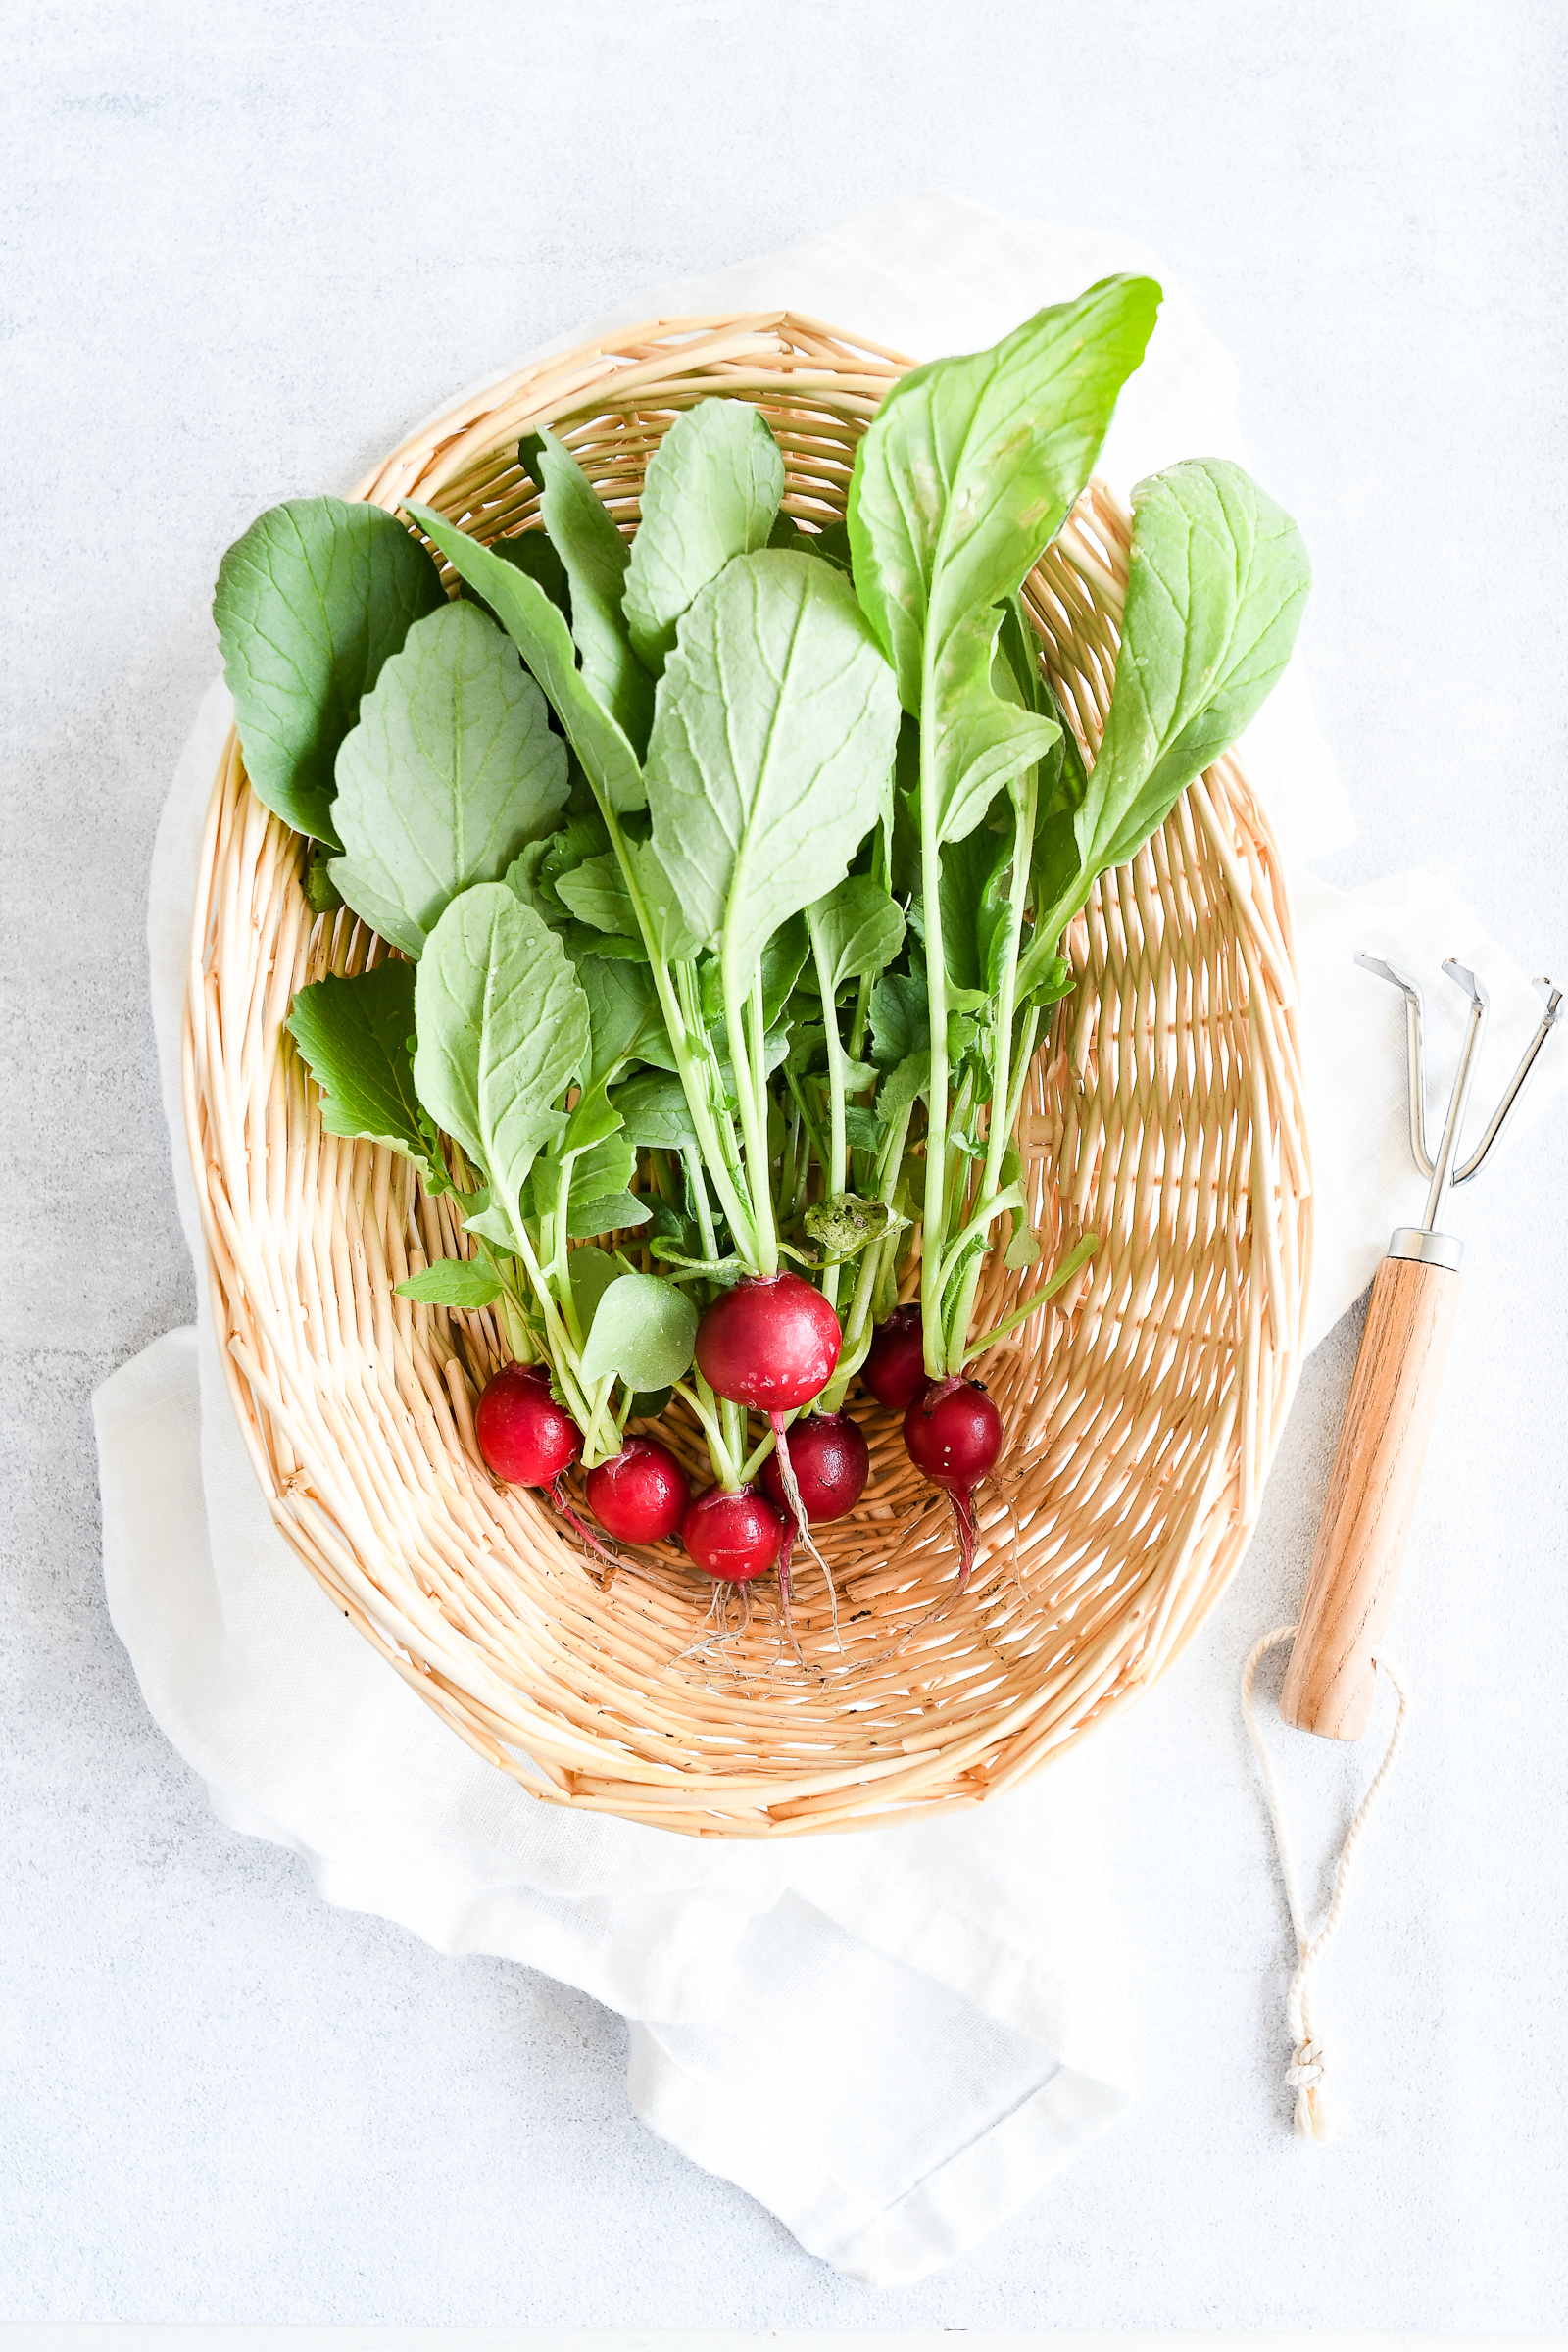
column 712, row 491
column 1217, row 586
column 310, row 602
column 530, row 551
column 354, row 1037
column 543, row 639
column 968, row 473
column 451, row 770
column 459, row 1282
column 624, row 1016
column 502, row 1031
column 644, row 1328
column 596, row 893
column 594, row 555
column 771, row 750
column 858, row 928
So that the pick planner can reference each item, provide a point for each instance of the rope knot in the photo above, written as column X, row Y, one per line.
column 1308, row 2062
column 1308, row 2066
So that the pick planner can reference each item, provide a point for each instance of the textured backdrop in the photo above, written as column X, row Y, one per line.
column 247, row 245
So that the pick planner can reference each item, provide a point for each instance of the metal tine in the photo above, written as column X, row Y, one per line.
column 1516, row 1085
column 1480, row 1002
column 1414, row 1016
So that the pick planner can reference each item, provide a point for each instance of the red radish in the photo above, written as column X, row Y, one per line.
column 953, row 1434
column 771, row 1343
column 733, row 1536
column 527, row 1436
column 529, row 1439
column 893, row 1369
column 831, row 1464
column 640, row 1497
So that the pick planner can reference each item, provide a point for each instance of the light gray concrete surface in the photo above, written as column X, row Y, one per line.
column 246, row 246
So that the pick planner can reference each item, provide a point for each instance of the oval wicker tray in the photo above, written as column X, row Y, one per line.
column 1165, row 1112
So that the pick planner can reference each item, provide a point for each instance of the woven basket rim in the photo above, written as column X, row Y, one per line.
column 379, row 1371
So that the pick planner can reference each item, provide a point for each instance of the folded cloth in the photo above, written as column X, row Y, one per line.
column 943, row 2030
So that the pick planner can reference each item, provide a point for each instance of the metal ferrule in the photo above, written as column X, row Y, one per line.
column 1432, row 1249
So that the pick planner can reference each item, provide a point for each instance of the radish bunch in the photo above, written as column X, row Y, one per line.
column 724, row 867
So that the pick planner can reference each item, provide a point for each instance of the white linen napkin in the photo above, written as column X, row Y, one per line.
column 943, row 2032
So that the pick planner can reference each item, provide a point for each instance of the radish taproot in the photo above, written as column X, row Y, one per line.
column 735, row 1535
column 529, row 1440
column 893, row 1369
column 831, row 1462
column 641, row 1496
column 771, row 1343
column 953, row 1434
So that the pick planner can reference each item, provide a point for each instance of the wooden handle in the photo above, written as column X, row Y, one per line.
column 1366, row 1514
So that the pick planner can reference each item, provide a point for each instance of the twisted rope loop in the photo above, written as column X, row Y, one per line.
column 1316, row 2119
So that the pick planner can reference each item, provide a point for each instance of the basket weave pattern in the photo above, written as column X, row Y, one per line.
column 1164, row 1113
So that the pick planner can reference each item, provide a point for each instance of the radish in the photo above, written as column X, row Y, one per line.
column 893, row 1369
column 529, row 1439
column 831, row 1464
column 527, row 1436
column 771, row 1343
column 734, row 1535
column 641, row 1496
column 953, row 1434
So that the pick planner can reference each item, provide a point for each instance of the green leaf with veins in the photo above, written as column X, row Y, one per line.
column 596, row 893
column 606, row 1167
column 530, row 551
column 856, row 929
column 710, row 492
column 611, row 1212
column 542, row 637
column 645, row 1329
column 807, row 1047
column 974, row 912
column 782, row 962
column 595, row 556
column 1054, row 861
column 592, row 1271
column 502, row 1031
column 583, row 837
column 901, row 1017
column 771, row 750
column 451, row 770
column 593, row 1119
column 903, row 1087
column 1217, row 586
column 624, row 1016
column 458, row 1281
column 524, row 878
column 656, row 1113
column 493, row 1224
column 354, row 1037
column 1022, row 1250
column 968, row 473
column 862, row 1129
column 673, row 935
column 310, row 600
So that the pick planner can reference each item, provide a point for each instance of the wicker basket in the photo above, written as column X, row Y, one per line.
column 1165, row 1112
